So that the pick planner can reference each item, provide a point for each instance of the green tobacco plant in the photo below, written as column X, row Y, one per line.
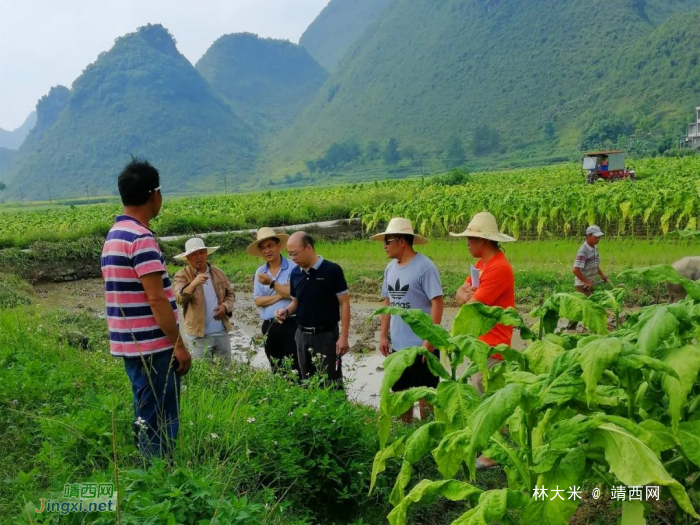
column 565, row 413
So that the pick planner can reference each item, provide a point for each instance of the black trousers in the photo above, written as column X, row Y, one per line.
column 320, row 347
column 280, row 344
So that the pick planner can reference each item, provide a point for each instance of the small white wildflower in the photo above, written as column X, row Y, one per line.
column 291, row 413
column 306, row 415
column 210, row 416
column 296, row 403
column 323, row 406
column 104, row 360
column 214, row 436
column 275, row 443
column 140, row 422
column 314, row 400
column 251, row 420
column 191, row 423
column 359, row 473
column 14, row 401
column 183, row 388
column 334, row 421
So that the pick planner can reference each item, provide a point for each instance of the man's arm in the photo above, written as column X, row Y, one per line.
column 282, row 290
column 283, row 313
column 179, row 283
column 464, row 294
column 602, row 275
column 267, row 300
column 437, row 307
column 343, row 345
column 229, row 297
column 165, row 317
column 579, row 274
column 385, row 324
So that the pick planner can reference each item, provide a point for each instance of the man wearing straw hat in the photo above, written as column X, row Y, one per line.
column 270, row 293
column 206, row 297
column 495, row 287
column 411, row 280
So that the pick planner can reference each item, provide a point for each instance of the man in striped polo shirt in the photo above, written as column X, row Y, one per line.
column 141, row 311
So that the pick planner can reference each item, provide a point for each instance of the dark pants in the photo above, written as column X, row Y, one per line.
column 280, row 344
column 156, row 389
column 321, row 347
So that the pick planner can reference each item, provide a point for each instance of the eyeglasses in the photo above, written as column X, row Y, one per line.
column 297, row 253
column 387, row 242
column 155, row 190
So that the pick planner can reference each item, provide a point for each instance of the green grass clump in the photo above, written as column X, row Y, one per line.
column 14, row 291
column 252, row 448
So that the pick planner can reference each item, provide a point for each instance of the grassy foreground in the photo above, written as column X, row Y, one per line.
column 252, row 448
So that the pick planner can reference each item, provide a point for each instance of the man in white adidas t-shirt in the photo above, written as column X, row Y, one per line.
column 411, row 280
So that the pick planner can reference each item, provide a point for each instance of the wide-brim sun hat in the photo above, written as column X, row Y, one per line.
column 483, row 226
column 400, row 226
column 264, row 234
column 194, row 245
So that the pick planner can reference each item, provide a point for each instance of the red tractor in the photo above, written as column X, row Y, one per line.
column 606, row 165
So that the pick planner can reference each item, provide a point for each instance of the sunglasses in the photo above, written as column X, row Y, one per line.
column 387, row 242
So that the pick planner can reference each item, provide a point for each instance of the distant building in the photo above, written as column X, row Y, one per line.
column 693, row 138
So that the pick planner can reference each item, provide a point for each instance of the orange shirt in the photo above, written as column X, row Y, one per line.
column 496, row 288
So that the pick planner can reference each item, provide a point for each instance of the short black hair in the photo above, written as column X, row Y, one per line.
column 408, row 238
column 306, row 239
column 137, row 181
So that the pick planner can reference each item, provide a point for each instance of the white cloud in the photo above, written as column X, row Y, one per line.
column 49, row 42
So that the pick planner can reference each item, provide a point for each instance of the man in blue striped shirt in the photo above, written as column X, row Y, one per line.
column 270, row 292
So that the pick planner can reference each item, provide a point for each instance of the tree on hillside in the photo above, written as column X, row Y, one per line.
column 548, row 131
column 605, row 130
column 372, row 150
column 391, row 152
column 485, row 139
column 2, row 186
column 454, row 155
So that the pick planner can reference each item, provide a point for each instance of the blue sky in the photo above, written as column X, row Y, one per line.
column 48, row 42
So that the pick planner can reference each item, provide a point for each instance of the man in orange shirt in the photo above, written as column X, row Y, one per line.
column 496, row 287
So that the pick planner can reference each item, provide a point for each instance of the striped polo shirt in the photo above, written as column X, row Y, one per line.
column 130, row 252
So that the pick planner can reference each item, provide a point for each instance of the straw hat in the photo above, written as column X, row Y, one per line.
column 483, row 225
column 194, row 245
column 400, row 226
column 262, row 235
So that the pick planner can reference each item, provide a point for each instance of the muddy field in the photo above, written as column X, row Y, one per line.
column 362, row 366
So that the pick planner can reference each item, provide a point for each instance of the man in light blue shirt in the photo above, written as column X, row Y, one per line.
column 270, row 293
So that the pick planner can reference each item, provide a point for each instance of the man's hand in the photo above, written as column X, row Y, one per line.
column 605, row 278
column 220, row 312
column 588, row 286
column 199, row 280
column 464, row 294
column 281, row 314
column 429, row 347
column 184, row 358
column 342, row 346
column 264, row 278
column 384, row 346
